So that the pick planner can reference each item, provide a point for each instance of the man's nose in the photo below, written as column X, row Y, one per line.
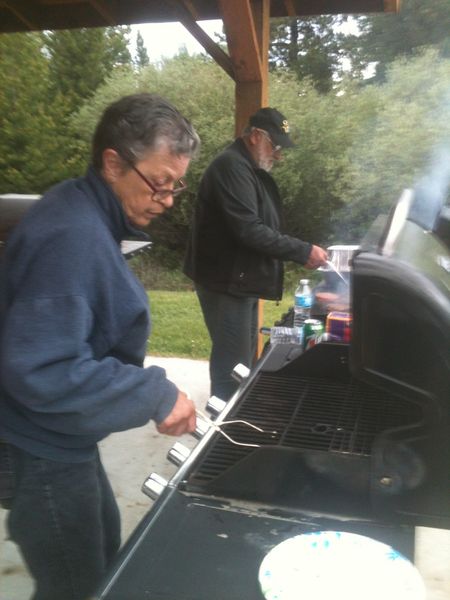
column 167, row 202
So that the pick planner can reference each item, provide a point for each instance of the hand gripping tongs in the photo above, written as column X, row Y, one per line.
column 219, row 428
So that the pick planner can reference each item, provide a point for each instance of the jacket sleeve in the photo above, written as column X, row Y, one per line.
column 48, row 367
column 235, row 187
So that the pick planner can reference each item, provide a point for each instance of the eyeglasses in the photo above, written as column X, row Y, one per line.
column 159, row 195
column 275, row 148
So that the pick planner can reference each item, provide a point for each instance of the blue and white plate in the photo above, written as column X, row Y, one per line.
column 336, row 565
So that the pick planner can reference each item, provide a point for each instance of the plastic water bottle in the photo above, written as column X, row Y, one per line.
column 302, row 303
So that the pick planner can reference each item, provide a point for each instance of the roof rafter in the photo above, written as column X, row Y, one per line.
column 183, row 12
column 105, row 11
column 24, row 10
column 290, row 8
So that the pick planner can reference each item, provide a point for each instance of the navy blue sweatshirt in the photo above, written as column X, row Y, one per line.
column 74, row 326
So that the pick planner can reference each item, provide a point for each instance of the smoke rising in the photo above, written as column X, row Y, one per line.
column 431, row 192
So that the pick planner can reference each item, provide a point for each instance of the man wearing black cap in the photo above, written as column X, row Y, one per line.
column 236, row 249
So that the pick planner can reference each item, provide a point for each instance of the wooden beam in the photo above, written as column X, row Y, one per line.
column 184, row 16
column 104, row 10
column 68, row 2
column 25, row 11
column 290, row 8
column 191, row 9
column 243, row 46
column 392, row 5
column 261, row 15
column 246, row 24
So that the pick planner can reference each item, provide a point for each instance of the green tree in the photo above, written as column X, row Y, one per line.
column 81, row 124
column 383, row 38
column 405, row 125
column 356, row 148
column 142, row 59
column 321, row 129
column 30, row 157
column 309, row 47
column 81, row 59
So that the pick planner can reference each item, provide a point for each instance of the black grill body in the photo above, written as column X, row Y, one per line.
column 332, row 444
column 355, row 437
column 228, row 505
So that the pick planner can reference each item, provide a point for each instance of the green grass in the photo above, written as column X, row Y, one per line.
column 178, row 328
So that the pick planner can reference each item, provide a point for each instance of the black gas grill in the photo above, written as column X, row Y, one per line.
column 356, row 437
column 305, row 417
column 329, row 443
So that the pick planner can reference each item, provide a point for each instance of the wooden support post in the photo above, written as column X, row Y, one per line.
column 248, row 45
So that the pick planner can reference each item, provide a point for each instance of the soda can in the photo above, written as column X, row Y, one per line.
column 312, row 330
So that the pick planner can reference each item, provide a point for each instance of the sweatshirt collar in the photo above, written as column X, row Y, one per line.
column 111, row 208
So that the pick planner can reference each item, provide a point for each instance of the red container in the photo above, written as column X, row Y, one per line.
column 339, row 325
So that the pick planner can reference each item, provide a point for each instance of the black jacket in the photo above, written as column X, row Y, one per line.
column 235, row 245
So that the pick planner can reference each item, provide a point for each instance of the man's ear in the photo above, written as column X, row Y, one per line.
column 253, row 137
column 112, row 165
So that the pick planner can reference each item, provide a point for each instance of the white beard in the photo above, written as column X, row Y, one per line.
column 263, row 161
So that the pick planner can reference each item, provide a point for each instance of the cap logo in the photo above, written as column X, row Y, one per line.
column 285, row 126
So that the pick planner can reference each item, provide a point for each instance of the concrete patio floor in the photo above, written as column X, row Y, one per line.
column 129, row 457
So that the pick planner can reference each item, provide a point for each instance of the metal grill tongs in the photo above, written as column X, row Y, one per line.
column 218, row 428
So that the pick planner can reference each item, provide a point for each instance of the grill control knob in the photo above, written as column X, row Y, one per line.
column 240, row 372
column 201, row 429
column 178, row 454
column 154, row 486
column 215, row 405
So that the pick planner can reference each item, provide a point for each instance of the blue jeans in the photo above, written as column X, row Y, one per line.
column 66, row 522
column 232, row 323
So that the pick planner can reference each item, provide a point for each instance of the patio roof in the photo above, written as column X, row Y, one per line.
column 32, row 15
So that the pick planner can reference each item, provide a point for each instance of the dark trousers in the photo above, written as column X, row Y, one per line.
column 232, row 323
column 66, row 522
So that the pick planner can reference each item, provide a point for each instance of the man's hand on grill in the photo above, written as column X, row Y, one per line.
column 182, row 419
column 317, row 257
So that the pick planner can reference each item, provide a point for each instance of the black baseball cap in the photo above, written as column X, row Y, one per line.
column 276, row 125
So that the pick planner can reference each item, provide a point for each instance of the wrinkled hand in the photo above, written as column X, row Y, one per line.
column 317, row 257
column 182, row 418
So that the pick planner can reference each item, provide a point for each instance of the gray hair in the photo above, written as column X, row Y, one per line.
column 140, row 123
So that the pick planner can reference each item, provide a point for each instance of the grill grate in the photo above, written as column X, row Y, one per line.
column 308, row 414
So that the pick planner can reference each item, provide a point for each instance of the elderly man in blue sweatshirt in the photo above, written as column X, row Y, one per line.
column 74, row 327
